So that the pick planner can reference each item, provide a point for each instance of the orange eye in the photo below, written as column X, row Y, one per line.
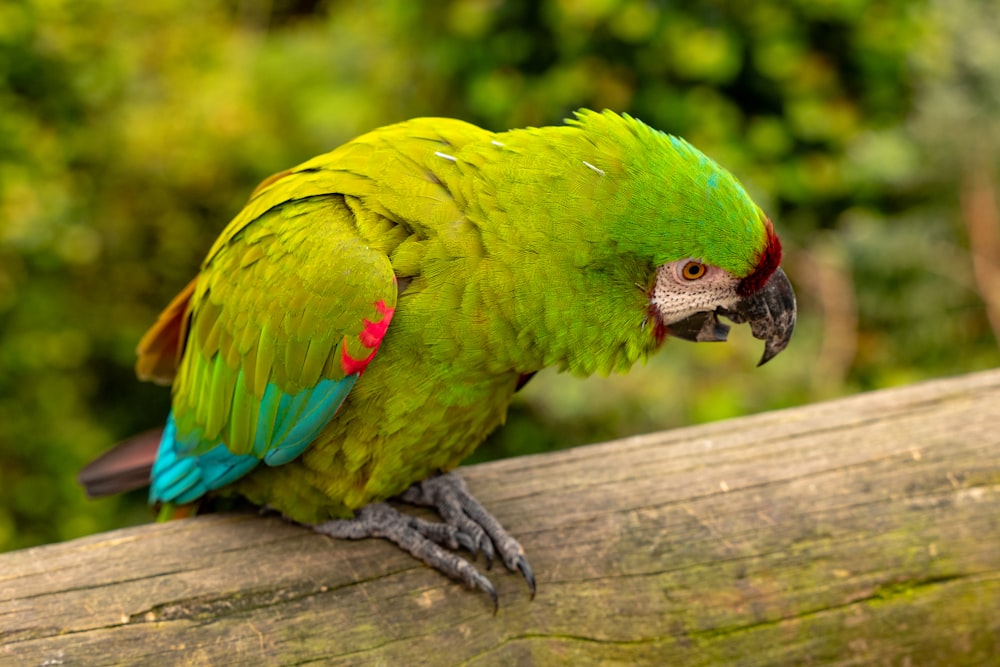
column 693, row 270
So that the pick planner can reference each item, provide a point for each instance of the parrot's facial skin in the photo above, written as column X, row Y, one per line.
column 770, row 311
column 688, row 286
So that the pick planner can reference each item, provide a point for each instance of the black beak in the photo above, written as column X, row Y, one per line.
column 770, row 312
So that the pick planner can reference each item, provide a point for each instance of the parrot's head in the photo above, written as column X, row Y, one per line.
column 689, row 294
column 729, row 263
column 713, row 250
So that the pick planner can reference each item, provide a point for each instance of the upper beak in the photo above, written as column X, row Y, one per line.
column 770, row 312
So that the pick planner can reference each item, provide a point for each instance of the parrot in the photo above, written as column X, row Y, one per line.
column 365, row 321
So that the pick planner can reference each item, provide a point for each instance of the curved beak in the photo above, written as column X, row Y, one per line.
column 770, row 312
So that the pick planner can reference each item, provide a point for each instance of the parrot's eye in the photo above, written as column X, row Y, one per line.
column 693, row 270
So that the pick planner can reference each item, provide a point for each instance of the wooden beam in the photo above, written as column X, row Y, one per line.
column 859, row 531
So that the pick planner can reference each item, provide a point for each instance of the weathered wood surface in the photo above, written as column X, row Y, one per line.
column 860, row 531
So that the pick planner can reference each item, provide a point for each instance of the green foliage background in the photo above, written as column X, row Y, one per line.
column 130, row 132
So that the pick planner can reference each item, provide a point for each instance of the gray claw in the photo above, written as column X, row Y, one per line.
column 488, row 553
column 487, row 587
column 466, row 542
column 528, row 573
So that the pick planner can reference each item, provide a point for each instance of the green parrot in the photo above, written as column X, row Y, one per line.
column 364, row 322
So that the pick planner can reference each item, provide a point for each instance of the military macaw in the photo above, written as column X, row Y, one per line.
column 363, row 323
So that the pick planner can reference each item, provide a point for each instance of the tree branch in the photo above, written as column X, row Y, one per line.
column 858, row 531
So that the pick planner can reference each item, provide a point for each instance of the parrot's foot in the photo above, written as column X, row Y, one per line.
column 474, row 527
column 467, row 524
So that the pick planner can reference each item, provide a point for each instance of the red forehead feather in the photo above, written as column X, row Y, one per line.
column 767, row 263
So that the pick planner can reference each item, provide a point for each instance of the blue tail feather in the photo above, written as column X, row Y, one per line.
column 180, row 483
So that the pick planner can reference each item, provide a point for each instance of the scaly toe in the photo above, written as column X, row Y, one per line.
column 421, row 539
column 450, row 496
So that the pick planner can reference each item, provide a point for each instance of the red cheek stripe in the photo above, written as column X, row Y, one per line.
column 371, row 337
column 659, row 328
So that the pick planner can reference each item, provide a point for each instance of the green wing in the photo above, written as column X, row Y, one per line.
column 283, row 319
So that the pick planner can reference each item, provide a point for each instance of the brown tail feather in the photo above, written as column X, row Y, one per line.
column 160, row 349
column 273, row 178
column 124, row 467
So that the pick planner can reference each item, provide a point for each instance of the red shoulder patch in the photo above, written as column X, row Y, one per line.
column 371, row 337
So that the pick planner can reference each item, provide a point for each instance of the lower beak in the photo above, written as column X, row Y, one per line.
column 770, row 313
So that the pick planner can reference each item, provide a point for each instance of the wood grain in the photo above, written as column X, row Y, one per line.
column 859, row 531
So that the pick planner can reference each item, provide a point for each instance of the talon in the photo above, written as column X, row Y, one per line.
column 466, row 542
column 488, row 553
column 486, row 586
column 528, row 573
